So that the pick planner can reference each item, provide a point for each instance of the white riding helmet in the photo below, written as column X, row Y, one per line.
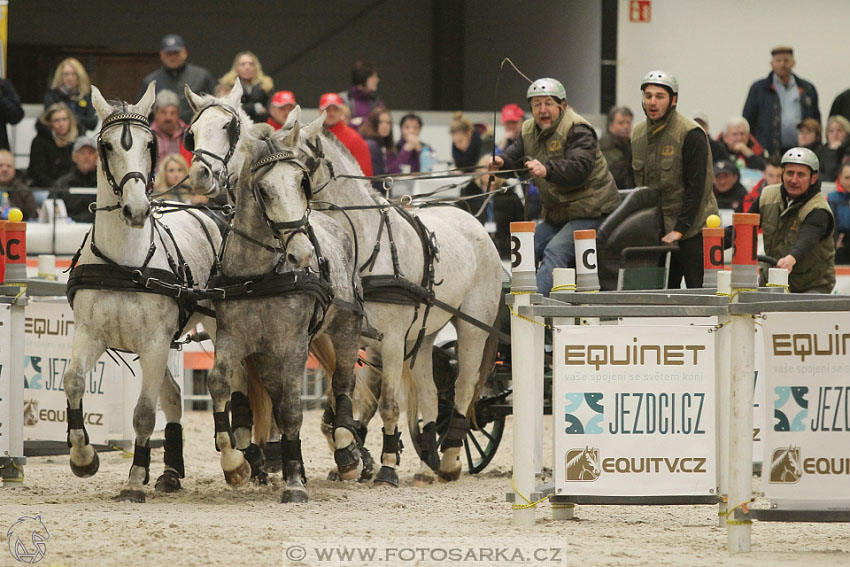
column 803, row 156
column 543, row 87
column 661, row 78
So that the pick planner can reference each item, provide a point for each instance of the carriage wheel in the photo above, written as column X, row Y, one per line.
column 480, row 443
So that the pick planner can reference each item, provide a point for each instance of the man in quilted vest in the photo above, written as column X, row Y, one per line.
column 670, row 151
column 561, row 151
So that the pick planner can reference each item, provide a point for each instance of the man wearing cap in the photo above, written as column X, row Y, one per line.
column 512, row 118
column 280, row 106
column 176, row 72
column 332, row 105
column 728, row 191
column 616, row 146
column 776, row 104
column 577, row 191
column 167, row 126
column 797, row 224
column 670, row 151
column 84, row 174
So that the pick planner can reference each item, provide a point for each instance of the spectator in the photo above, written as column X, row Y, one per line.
column 839, row 202
column 740, row 146
column 84, row 174
column 841, row 105
column 280, row 106
column 671, row 152
column 15, row 183
column 71, row 86
column 362, row 98
column 176, row 72
column 11, row 111
column 836, row 148
column 560, row 149
column 797, row 224
column 772, row 176
column 413, row 154
column 50, row 152
column 782, row 93
column 718, row 150
column 377, row 130
column 167, row 126
column 616, row 146
column 809, row 135
column 332, row 105
column 171, row 178
column 505, row 207
column 728, row 191
column 512, row 118
column 467, row 144
column 256, row 85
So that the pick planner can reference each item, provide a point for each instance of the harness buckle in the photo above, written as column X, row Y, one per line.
column 222, row 290
column 247, row 287
column 137, row 273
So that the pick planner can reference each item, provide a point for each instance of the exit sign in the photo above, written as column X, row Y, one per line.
column 640, row 10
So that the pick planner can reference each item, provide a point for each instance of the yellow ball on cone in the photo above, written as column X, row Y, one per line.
column 15, row 215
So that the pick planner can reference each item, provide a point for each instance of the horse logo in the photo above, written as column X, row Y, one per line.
column 792, row 418
column 27, row 539
column 30, row 412
column 583, row 464
column 785, row 465
column 575, row 409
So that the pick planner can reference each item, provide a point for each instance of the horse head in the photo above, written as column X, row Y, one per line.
column 127, row 150
column 276, row 180
column 213, row 137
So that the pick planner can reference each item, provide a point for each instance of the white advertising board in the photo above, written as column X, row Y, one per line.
column 5, row 378
column 634, row 411
column 807, row 441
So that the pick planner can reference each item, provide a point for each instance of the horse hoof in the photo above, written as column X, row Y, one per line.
column 348, row 462
column 421, row 480
column 135, row 496
column 449, row 476
column 294, row 496
column 386, row 477
column 261, row 478
column 239, row 475
column 88, row 470
column 334, row 475
column 167, row 483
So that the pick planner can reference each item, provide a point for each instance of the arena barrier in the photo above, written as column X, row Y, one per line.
column 682, row 392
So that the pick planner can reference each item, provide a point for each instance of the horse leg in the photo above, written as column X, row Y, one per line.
column 85, row 352
column 236, row 469
column 172, row 405
column 242, row 420
column 426, row 401
column 392, row 355
column 290, row 417
column 347, row 443
column 154, row 363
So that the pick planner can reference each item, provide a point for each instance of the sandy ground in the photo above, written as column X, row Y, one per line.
column 213, row 525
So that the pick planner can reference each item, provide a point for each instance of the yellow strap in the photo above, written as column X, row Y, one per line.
column 777, row 285
column 528, row 503
column 564, row 287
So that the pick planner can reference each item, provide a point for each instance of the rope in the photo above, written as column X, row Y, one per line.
column 529, row 319
column 17, row 468
column 744, row 508
column 565, row 287
column 125, row 454
column 528, row 503
column 787, row 288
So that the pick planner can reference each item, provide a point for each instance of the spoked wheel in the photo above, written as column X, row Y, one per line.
column 481, row 441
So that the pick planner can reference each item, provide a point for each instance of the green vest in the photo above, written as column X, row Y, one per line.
column 657, row 161
column 780, row 228
column 596, row 197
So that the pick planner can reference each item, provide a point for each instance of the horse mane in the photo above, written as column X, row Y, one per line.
column 351, row 167
column 575, row 460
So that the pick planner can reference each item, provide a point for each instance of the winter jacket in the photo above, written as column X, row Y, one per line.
column 755, row 161
column 77, row 205
column 355, row 144
column 839, row 202
column 762, row 110
column 478, row 147
column 11, row 111
column 361, row 103
column 48, row 162
column 830, row 160
column 618, row 154
column 21, row 198
column 81, row 106
column 732, row 199
column 199, row 80
column 253, row 97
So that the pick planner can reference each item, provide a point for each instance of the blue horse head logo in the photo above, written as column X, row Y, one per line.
column 27, row 539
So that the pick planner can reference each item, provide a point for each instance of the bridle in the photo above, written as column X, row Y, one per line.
column 126, row 120
column 234, row 129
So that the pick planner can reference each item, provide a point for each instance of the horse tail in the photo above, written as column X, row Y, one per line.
column 261, row 403
column 488, row 361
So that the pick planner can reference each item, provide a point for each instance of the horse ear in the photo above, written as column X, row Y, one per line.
column 313, row 128
column 102, row 107
column 235, row 96
column 195, row 102
column 294, row 116
column 292, row 135
column 146, row 102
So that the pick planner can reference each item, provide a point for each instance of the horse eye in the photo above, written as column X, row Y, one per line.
column 107, row 146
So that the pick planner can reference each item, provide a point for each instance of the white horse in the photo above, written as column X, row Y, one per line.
column 466, row 276
column 128, row 254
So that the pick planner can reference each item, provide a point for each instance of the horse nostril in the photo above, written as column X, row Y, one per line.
column 126, row 211
column 293, row 261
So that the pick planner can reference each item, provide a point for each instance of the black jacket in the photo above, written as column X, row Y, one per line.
column 762, row 110
column 732, row 199
column 11, row 111
column 48, row 162
column 80, row 106
column 199, row 80
column 250, row 100
column 77, row 205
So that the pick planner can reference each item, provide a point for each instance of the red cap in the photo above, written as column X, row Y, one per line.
column 282, row 98
column 512, row 112
column 330, row 99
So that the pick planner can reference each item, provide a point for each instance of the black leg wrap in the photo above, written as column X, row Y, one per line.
column 142, row 458
column 427, row 441
column 254, row 456
column 458, row 427
column 361, row 433
column 345, row 414
column 222, row 425
column 393, row 444
column 272, row 457
column 240, row 411
column 290, row 450
column 174, row 448
column 75, row 421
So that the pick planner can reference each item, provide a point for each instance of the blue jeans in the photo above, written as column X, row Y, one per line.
column 554, row 247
